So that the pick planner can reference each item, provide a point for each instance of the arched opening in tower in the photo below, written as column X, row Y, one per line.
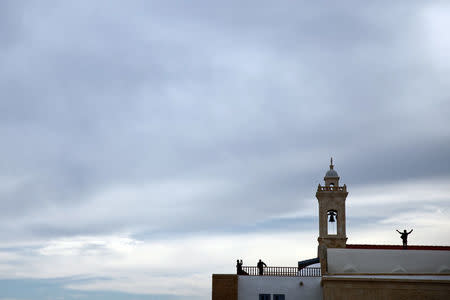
column 332, row 222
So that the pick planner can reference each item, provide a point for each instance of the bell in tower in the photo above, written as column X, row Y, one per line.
column 332, row 215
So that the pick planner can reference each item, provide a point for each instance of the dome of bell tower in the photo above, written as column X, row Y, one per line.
column 331, row 177
column 331, row 172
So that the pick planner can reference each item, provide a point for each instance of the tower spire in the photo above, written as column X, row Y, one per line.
column 331, row 163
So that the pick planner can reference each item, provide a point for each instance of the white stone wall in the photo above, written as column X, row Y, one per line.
column 249, row 287
column 388, row 261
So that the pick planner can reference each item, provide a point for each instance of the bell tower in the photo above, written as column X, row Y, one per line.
column 331, row 199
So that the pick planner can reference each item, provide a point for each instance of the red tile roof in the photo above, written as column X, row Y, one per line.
column 397, row 247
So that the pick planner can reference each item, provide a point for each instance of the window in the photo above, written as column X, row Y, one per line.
column 278, row 297
column 264, row 296
column 332, row 222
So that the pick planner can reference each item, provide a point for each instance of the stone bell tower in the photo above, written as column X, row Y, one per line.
column 331, row 199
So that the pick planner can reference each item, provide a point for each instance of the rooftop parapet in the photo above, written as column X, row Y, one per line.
column 331, row 188
column 283, row 271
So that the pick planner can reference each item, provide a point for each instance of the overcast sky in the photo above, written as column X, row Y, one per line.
column 149, row 144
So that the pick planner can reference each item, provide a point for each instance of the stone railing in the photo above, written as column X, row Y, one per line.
column 332, row 188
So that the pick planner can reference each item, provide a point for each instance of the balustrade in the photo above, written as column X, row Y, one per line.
column 331, row 188
column 283, row 271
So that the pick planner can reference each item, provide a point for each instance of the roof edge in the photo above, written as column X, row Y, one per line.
column 397, row 247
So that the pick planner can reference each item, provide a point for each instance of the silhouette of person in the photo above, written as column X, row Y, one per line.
column 261, row 266
column 404, row 237
column 239, row 269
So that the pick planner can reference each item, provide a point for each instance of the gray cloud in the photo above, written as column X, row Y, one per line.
column 245, row 100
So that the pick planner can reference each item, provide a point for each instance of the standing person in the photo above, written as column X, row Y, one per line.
column 404, row 237
column 261, row 266
column 240, row 271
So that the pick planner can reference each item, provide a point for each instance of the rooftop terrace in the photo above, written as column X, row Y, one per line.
column 283, row 271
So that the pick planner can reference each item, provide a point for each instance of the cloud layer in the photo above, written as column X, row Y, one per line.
column 139, row 130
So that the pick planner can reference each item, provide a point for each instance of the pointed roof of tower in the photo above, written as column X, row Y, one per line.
column 331, row 172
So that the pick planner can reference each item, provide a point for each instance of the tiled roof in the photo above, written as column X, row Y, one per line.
column 397, row 247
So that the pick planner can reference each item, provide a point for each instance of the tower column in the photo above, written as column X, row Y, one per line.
column 331, row 198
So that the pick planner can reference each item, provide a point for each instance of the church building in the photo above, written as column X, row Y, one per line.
column 343, row 271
